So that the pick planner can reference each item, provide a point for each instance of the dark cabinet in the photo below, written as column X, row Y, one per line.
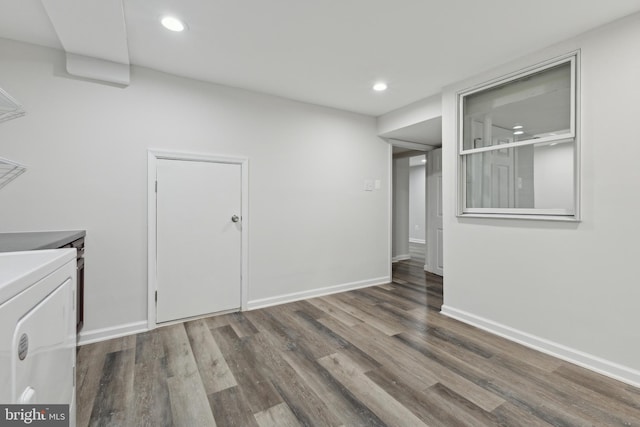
column 79, row 246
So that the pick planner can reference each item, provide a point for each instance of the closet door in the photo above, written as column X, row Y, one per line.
column 199, row 236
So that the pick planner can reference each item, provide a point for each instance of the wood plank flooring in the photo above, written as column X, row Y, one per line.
column 380, row 356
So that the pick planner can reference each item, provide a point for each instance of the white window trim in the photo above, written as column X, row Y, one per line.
column 565, row 137
column 572, row 136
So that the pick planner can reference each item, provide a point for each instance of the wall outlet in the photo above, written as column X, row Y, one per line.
column 378, row 184
column 368, row 185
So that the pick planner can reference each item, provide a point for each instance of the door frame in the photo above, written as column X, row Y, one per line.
column 153, row 155
column 431, row 258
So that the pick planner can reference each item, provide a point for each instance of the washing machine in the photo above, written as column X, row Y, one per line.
column 38, row 328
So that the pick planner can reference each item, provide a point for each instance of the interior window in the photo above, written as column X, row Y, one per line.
column 518, row 145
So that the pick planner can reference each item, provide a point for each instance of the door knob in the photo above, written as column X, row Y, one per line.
column 235, row 218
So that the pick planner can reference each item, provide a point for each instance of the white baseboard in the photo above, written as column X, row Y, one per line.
column 297, row 296
column 577, row 357
column 97, row 335
column 400, row 258
column 421, row 241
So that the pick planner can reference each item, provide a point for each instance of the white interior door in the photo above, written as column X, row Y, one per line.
column 434, row 213
column 199, row 237
column 502, row 178
column 501, row 170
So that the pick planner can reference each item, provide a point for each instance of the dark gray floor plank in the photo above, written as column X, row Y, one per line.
column 368, row 313
column 213, row 368
column 301, row 399
column 230, row 408
column 89, row 371
column 296, row 329
column 116, row 390
column 151, row 404
column 341, row 401
column 416, row 401
column 333, row 311
column 502, row 382
column 277, row 416
column 466, row 412
column 375, row 397
column 609, row 390
column 371, row 341
column 510, row 415
column 257, row 389
column 380, row 296
column 189, row 403
column 241, row 325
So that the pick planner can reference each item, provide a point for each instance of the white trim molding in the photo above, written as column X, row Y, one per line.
column 390, row 209
column 589, row 361
column 313, row 293
column 97, row 335
column 400, row 258
column 421, row 241
column 152, row 157
column 410, row 145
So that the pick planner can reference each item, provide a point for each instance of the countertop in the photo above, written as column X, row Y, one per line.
column 29, row 241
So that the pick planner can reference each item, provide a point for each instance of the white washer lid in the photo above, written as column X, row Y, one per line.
column 19, row 270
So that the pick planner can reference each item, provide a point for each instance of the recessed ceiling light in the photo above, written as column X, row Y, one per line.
column 517, row 127
column 424, row 160
column 173, row 24
column 518, row 132
column 380, row 86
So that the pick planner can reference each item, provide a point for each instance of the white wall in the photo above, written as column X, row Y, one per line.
column 417, row 202
column 311, row 223
column 553, row 176
column 568, row 288
column 400, row 247
column 417, row 112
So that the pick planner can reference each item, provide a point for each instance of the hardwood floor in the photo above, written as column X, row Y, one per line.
column 380, row 356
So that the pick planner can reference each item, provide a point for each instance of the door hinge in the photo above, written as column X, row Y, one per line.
column 156, row 296
column 156, row 186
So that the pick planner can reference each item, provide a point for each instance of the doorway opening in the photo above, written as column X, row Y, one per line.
column 416, row 230
column 409, row 205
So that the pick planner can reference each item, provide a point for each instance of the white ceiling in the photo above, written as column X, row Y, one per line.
column 325, row 52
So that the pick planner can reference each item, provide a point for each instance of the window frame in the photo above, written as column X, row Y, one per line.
column 572, row 136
